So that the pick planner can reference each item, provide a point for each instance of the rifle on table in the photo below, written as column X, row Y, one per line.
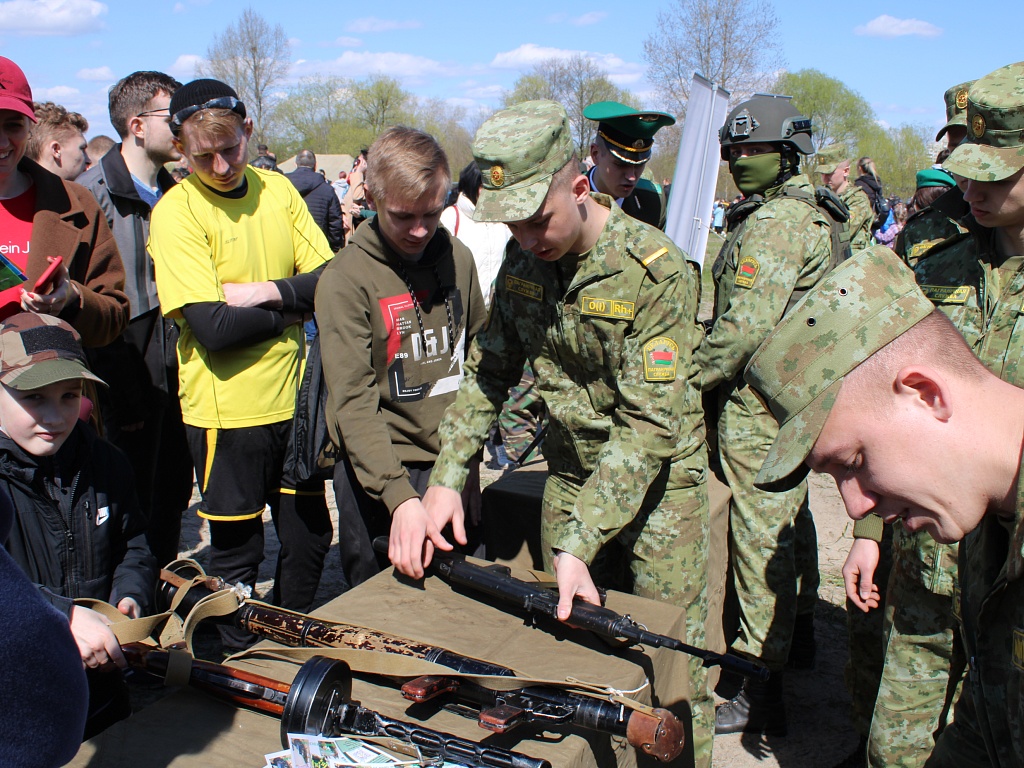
column 656, row 732
column 319, row 703
column 497, row 581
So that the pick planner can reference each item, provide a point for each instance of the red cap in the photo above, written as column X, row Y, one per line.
column 14, row 91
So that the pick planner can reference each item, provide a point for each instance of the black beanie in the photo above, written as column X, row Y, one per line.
column 199, row 92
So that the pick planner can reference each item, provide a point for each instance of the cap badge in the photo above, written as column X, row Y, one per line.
column 961, row 99
column 638, row 144
column 978, row 126
column 497, row 175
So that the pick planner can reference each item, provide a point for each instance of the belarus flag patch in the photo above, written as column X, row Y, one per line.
column 660, row 356
column 747, row 271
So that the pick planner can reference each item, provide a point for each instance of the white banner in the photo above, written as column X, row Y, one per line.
column 693, row 186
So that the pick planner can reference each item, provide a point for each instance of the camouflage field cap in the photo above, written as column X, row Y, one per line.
column 518, row 150
column 956, row 107
column 994, row 147
column 37, row 350
column 861, row 306
column 830, row 158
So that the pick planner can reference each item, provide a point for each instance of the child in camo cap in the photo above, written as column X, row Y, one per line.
column 874, row 386
column 78, row 531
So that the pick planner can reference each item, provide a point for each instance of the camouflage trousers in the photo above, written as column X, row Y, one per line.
column 866, row 636
column 666, row 548
column 762, row 531
column 521, row 416
column 922, row 673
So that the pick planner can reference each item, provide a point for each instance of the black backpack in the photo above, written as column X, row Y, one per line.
column 310, row 455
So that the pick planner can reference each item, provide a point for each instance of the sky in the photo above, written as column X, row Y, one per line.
column 898, row 56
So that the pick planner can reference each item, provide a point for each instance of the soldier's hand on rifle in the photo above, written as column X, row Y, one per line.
column 859, row 574
column 96, row 642
column 414, row 534
column 573, row 577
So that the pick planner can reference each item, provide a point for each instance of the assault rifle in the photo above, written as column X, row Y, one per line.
column 497, row 581
column 656, row 732
column 319, row 703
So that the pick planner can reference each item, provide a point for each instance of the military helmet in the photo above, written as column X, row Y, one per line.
column 767, row 118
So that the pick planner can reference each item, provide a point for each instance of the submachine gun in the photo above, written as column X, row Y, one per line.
column 654, row 731
column 319, row 703
column 537, row 600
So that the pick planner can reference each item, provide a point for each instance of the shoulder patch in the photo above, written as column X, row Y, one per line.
column 613, row 308
column 947, row 294
column 746, row 272
column 660, row 357
column 918, row 250
column 524, row 288
column 1018, row 649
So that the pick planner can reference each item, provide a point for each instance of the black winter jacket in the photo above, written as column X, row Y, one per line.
column 78, row 530
column 322, row 203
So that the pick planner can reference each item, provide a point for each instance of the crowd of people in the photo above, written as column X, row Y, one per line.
column 155, row 337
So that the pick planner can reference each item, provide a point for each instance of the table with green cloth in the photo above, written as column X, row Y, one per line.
column 189, row 728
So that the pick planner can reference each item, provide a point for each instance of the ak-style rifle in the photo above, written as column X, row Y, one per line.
column 537, row 600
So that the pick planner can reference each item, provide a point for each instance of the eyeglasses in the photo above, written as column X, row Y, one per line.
column 223, row 102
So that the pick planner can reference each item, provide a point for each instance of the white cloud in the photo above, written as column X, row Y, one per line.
column 184, row 67
column 363, row 63
column 51, row 17
column 890, row 26
column 373, row 24
column 493, row 91
column 101, row 74
column 343, row 42
column 58, row 93
column 588, row 18
column 528, row 55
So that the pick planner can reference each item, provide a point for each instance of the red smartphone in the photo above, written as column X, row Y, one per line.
column 46, row 280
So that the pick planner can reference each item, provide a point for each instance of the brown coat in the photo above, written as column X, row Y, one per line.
column 68, row 222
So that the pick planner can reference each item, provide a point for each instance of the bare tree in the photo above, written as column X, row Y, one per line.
column 252, row 57
column 574, row 82
column 733, row 43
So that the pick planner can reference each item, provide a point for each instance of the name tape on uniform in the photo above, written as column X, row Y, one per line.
column 947, row 294
column 524, row 288
column 620, row 310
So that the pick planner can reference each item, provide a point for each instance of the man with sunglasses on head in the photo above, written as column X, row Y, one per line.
column 237, row 259
column 140, row 410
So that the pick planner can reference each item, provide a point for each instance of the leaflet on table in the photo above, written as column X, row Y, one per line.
column 343, row 752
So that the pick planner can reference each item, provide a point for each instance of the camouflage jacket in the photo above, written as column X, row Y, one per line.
column 861, row 216
column 988, row 725
column 610, row 335
column 779, row 251
column 958, row 276
column 930, row 226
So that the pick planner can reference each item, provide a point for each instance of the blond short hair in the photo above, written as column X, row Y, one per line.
column 212, row 123
column 406, row 162
column 53, row 123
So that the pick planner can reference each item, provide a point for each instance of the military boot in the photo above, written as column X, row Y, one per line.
column 757, row 708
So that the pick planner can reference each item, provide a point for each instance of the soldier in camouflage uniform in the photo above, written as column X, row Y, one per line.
column 902, row 432
column 780, row 244
column 976, row 279
column 938, row 222
column 605, row 308
column 834, row 167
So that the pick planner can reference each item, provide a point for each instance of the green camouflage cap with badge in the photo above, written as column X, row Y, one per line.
column 830, row 158
column 861, row 306
column 994, row 147
column 518, row 150
column 956, row 107
column 628, row 133
column 38, row 350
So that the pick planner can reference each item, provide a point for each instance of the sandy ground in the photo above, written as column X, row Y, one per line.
column 819, row 732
